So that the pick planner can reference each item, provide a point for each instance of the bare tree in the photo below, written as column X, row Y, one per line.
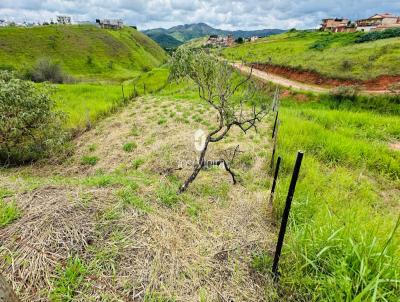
column 236, row 100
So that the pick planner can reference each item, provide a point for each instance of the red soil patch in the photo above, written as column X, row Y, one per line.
column 312, row 77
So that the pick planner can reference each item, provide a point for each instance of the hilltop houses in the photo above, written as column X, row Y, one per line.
column 374, row 23
column 378, row 22
column 215, row 40
column 336, row 25
column 110, row 24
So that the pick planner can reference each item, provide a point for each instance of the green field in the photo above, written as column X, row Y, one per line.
column 86, row 103
column 332, row 55
column 84, row 52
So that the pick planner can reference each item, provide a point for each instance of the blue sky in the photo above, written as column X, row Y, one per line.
column 238, row 14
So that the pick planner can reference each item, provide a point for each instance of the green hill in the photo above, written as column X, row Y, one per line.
column 85, row 52
column 332, row 55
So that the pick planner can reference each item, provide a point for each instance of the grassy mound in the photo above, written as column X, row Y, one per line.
column 333, row 55
column 85, row 52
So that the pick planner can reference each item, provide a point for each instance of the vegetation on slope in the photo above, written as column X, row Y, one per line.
column 82, row 51
column 342, row 244
column 332, row 55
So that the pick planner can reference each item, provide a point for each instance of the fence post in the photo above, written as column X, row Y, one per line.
column 144, row 88
column 276, row 120
column 274, row 147
column 278, row 164
column 123, row 94
column 285, row 215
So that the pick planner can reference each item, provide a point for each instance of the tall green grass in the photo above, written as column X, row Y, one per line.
column 86, row 103
column 343, row 240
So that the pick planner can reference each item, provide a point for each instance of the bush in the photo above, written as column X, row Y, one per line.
column 47, row 71
column 346, row 65
column 345, row 93
column 378, row 35
column 30, row 127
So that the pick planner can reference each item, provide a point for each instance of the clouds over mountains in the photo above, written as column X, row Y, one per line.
column 244, row 14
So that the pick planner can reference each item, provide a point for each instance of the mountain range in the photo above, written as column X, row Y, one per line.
column 177, row 35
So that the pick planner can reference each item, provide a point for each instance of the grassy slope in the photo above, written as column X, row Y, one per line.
column 367, row 60
column 83, row 51
column 130, row 52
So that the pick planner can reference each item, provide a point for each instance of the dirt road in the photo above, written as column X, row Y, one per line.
column 279, row 80
column 266, row 76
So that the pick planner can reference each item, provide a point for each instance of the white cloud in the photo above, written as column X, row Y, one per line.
column 226, row 14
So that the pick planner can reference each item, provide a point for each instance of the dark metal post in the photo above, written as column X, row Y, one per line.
column 276, row 120
column 274, row 148
column 123, row 94
column 144, row 88
column 278, row 163
column 285, row 215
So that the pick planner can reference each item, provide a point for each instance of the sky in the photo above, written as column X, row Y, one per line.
column 223, row 14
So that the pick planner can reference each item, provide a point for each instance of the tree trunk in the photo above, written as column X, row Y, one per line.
column 6, row 292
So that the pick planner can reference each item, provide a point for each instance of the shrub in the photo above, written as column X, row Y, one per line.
column 47, row 71
column 346, row 65
column 378, row 35
column 30, row 127
column 344, row 93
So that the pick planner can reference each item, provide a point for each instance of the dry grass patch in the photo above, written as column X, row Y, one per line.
column 125, row 229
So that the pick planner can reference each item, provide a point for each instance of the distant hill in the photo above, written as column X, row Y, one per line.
column 83, row 51
column 183, row 33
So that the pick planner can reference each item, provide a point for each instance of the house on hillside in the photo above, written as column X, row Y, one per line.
column 215, row 40
column 63, row 20
column 378, row 22
column 337, row 25
column 110, row 24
